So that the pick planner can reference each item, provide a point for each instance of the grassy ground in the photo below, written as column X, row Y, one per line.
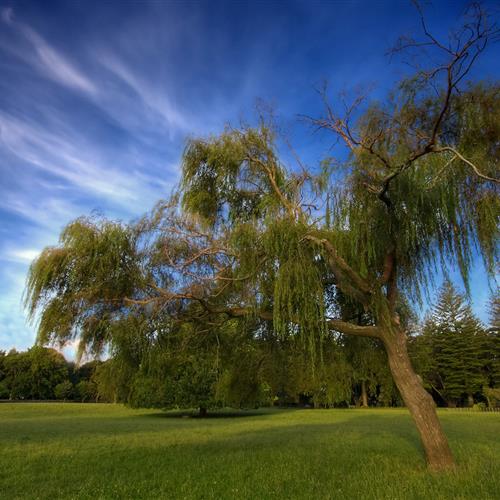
column 108, row 451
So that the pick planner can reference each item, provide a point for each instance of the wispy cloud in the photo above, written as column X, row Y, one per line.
column 23, row 255
column 74, row 160
column 46, row 213
column 156, row 101
column 47, row 59
column 56, row 66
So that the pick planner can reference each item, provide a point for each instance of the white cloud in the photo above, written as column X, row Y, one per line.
column 24, row 255
column 71, row 158
column 47, row 59
column 49, row 214
column 155, row 101
column 70, row 349
column 55, row 66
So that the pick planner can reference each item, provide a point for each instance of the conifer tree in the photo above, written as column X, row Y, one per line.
column 493, row 342
column 455, row 345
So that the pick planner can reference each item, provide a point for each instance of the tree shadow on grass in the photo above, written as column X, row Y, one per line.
column 371, row 427
column 215, row 414
column 376, row 432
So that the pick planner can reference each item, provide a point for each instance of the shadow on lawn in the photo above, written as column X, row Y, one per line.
column 365, row 427
column 216, row 414
column 378, row 431
column 375, row 433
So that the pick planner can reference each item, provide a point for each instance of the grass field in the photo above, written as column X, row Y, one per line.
column 108, row 451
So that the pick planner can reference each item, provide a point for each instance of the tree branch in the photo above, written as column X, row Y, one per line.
column 352, row 329
column 468, row 162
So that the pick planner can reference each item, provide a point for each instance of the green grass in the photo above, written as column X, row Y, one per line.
column 109, row 451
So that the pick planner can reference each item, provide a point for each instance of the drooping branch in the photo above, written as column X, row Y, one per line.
column 348, row 280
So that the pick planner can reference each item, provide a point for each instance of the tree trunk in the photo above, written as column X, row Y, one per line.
column 470, row 399
column 203, row 412
column 419, row 402
column 364, row 395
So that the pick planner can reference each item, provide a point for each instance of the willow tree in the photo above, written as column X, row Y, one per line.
column 251, row 240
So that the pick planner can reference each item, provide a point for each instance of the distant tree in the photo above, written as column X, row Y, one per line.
column 17, row 375
column 453, row 349
column 86, row 390
column 493, row 342
column 113, row 379
column 64, row 390
column 34, row 374
column 370, row 372
column 4, row 392
column 331, row 382
column 241, row 383
column 323, row 381
column 48, row 368
column 190, row 366
column 87, row 370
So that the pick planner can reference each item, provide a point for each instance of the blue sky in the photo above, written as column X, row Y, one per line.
column 97, row 99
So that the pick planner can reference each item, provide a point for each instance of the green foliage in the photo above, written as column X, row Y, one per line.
column 438, row 213
column 80, row 285
column 493, row 341
column 63, row 390
column 478, row 407
column 242, row 384
column 34, row 374
column 17, row 375
column 298, row 295
column 86, row 390
column 113, row 379
column 452, row 352
column 223, row 178
column 369, row 366
column 492, row 396
column 41, row 373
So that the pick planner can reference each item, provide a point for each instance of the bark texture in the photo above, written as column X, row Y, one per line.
column 364, row 395
column 419, row 402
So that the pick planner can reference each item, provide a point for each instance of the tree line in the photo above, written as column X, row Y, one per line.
column 456, row 355
column 42, row 373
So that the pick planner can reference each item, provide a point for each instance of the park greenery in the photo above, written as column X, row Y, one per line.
column 456, row 355
column 44, row 374
column 110, row 451
column 257, row 279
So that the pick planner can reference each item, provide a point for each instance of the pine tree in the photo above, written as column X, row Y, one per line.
column 453, row 348
column 493, row 342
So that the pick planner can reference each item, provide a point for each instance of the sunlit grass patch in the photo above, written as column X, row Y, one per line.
column 109, row 451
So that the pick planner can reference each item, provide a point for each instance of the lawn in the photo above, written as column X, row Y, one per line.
column 109, row 451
